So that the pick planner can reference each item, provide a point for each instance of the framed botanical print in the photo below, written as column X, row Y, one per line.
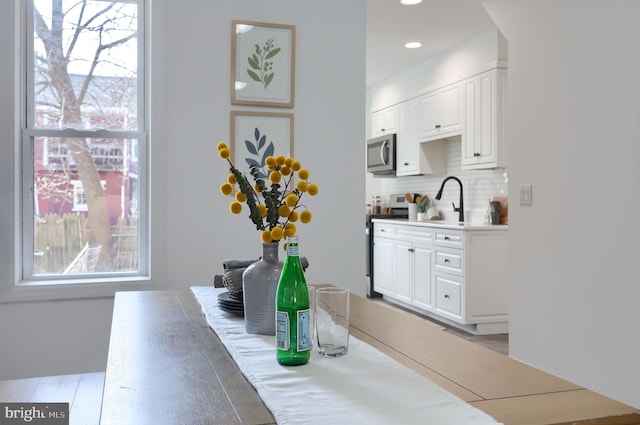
column 257, row 135
column 262, row 64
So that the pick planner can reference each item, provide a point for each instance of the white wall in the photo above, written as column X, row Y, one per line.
column 574, row 133
column 193, row 232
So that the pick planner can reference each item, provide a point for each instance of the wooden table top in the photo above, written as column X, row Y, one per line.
column 166, row 366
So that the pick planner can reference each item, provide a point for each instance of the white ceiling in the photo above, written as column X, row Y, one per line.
column 437, row 24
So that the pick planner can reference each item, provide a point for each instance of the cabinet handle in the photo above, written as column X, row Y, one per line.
column 410, row 250
column 406, row 163
column 437, row 126
column 446, row 296
column 476, row 154
column 446, row 238
column 446, row 260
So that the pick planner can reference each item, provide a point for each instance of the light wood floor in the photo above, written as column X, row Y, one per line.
column 83, row 392
column 488, row 379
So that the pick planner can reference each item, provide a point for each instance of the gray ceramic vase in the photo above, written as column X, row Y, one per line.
column 259, row 285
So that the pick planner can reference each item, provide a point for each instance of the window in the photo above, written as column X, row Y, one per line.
column 84, row 140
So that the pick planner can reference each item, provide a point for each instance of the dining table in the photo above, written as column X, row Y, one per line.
column 175, row 357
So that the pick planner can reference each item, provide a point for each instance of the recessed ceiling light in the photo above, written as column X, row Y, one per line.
column 410, row 2
column 413, row 45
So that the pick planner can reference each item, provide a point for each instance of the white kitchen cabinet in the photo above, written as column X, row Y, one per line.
column 413, row 262
column 482, row 136
column 383, row 265
column 412, row 157
column 457, row 274
column 384, row 121
column 439, row 113
column 407, row 157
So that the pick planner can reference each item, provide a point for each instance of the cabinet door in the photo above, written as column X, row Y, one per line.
column 482, row 139
column 403, row 272
column 449, row 109
column 427, row 116
column 422, row 265
column 471, row 121
column 439, row 113
column 383, row 266
column 486, row 142
column 407, row 147
column 384, row 121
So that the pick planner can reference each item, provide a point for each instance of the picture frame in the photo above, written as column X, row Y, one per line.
column 262, row 64
column 257, row 135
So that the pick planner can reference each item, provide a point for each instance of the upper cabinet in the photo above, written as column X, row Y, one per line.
column 483, row 143
column 384, row 121
column 439, row 113
column 412, row 157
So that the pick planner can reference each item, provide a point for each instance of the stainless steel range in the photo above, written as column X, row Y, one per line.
column 398, row 208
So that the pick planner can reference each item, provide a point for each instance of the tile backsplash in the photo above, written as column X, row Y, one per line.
column 479, row 186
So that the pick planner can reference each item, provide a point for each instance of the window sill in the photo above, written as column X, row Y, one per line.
column 67, row 290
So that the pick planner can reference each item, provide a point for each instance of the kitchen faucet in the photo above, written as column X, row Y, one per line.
column 460, row 210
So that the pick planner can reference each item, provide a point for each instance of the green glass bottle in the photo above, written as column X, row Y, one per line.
column 293, row 338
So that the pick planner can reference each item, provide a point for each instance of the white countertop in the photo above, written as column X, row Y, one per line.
column 443, row 224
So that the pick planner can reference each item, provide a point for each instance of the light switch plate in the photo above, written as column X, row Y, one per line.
column 526, row 194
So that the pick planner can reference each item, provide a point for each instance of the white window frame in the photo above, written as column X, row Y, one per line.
column 24, row 286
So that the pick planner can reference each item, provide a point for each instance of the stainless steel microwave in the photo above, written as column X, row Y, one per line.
column 381, row 154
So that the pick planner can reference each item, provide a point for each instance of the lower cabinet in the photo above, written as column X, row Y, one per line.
column 456, row 275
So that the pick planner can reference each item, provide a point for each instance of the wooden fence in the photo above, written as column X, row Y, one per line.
column 61, row 241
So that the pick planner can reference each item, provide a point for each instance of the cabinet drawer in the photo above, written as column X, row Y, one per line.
column 447, row 237
column 384, row 230
column 449, row 295
column 450, row 261
column 414, row 232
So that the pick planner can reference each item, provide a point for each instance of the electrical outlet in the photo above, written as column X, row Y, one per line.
column 526, row 194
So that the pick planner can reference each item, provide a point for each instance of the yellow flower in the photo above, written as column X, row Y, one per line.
column 226, row 189
column 270, row 162
column 291, row 200
column 241, row 197
column 303, row 174
column 275, row 177
column 284, row 211
column 312, row 189
column 290, row 229
column 235, row 207
column 266, row 236
column 277, row 233
column 305, row 216
column 279, row 191
column 285, row 171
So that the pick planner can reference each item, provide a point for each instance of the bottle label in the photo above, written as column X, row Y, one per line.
column 304, row 333
column 282, row 330
column 292, row 250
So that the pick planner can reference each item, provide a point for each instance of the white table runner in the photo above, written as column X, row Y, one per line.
column 363, row 387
